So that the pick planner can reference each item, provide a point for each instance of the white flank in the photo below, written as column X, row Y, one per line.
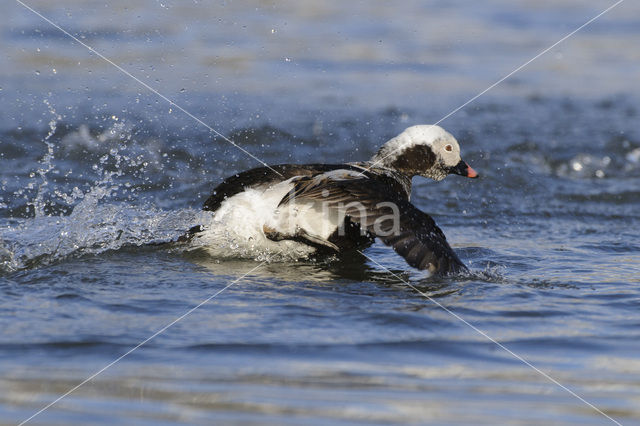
column 237, row 228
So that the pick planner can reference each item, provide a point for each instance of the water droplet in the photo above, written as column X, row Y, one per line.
column 37, row 72
column 633, row 156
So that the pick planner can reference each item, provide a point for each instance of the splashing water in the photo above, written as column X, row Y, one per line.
column 47, row 160
column 96, row 219
column 90, row 229
column 96, row 222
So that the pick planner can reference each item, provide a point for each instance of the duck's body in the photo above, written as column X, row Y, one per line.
column 334, row 208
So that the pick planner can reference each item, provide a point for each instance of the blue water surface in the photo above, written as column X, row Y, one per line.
column 97, row 170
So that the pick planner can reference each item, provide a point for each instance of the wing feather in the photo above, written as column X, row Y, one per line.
column 410, row 232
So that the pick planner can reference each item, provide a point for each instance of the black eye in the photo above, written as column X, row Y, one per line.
column 448, row 148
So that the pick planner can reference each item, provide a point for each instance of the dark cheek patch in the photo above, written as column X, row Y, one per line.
column 415, row 160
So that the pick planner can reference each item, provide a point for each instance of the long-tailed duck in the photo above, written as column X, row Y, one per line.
column 334, row 208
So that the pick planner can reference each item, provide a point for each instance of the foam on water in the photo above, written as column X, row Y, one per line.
column 90, row 229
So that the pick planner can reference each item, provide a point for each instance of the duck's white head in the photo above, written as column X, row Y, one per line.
column 426, row 150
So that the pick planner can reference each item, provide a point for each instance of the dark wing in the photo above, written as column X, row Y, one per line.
column 385, row 213
column 263, row 176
